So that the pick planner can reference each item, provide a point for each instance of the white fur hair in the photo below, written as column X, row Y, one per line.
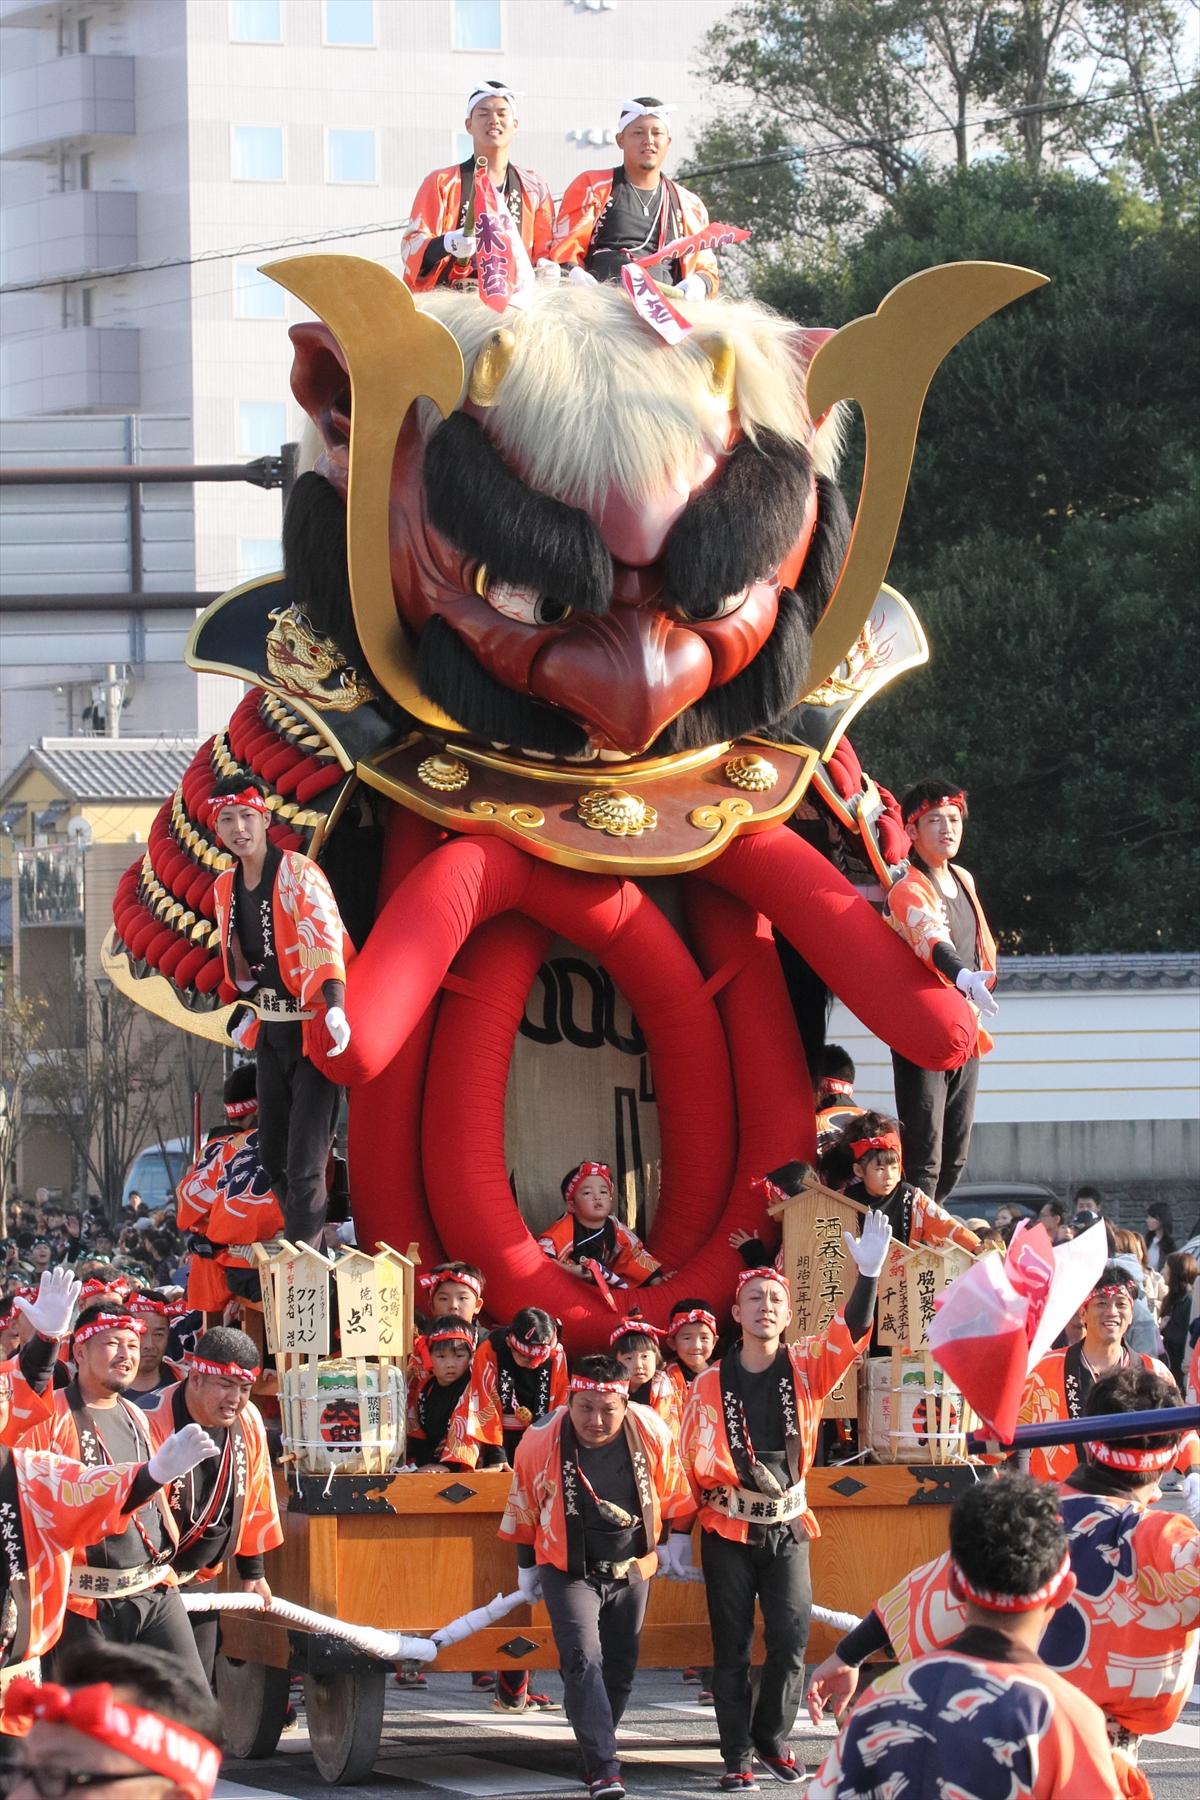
column 594, row 398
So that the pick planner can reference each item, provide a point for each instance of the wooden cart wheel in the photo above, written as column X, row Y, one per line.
column 345, row 1722
column 254, row 1703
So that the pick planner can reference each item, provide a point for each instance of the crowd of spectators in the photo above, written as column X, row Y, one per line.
column 143, row 1246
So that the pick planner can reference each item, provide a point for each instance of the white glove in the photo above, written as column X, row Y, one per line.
column 181, row 1452
column 663, row 1553
column 530, row 1583
column 338, row 1026
column 460, row 246
column 546, row 270
column 870, row 1250
column 50, row 1313
column 679, row 1544
column 581, row 276
column 693, row 287
column 1191, row 1495
column 974, row 985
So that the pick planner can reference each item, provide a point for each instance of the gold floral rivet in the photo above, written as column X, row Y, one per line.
column 753, row 773
column 619, row 813
column 443, row 773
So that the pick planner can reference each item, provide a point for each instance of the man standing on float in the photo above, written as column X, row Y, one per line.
column 748, row 1440
column 284, row 946
column 610, row 217
column 439, row 250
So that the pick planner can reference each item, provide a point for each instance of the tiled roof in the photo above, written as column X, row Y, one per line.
column 115, row 768
column 1097, row 974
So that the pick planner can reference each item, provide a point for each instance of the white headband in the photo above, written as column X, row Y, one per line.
column 633, row 109
column 490, row 93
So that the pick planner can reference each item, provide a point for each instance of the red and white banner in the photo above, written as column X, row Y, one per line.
column 501, row 259
column 653, row 305
column 712, row 237
column 999, row 1318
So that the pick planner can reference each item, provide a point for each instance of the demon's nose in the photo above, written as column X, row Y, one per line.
column 625, row 676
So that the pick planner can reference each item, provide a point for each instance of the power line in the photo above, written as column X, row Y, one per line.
column 786, row 153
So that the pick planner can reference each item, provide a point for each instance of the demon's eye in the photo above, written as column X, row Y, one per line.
column 528, row 605
column 705, row 614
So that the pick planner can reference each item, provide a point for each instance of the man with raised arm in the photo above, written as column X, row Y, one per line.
column 748, row 1440
column 439, row 248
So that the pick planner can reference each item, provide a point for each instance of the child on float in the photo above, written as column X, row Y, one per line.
column 588, row 1241
column 635, row 1344
column 870, row 1145
column 450, row 1345
column 451, row 1290
column 691, row 1337
column 833, row 1095
column 788, row 1180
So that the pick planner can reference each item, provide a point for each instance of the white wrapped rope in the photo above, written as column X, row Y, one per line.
column 391, row 1646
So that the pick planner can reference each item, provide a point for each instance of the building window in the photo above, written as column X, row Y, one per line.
column 255, row 22
column 350, row 156
column 262, row 427
column 257, row 153
column 85, row 169
column 258, row 557
column 477, row 25
column 464, row 146
column 350, row 22
column 256, row 296
column 85, row 305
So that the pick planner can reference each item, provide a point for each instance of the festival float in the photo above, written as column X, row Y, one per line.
column 555, row 687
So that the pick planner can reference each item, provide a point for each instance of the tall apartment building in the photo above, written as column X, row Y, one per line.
column 158, row 135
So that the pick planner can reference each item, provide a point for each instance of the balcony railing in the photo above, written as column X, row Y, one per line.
column 50, row 885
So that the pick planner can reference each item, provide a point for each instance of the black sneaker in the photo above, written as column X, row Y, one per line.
column 606, row 1787
column 738, row 1781
column 783, row 1766
column 704, row 1697
column 483, row 1684
column 691, row 1675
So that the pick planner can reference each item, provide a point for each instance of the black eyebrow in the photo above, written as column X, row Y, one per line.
column 742, row 526
column 523, row 536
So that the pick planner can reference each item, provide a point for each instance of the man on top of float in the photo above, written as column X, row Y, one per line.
column 439, row 250
column 284, row 946
column 748, row 1440
column 610, row 217
column 592, row 1485
column 935, row 909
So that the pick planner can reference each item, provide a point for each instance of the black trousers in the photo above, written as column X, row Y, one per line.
column 776, row 1574
column 206, row 1631
column 597, row 1629
column 936, row 1108
column 297, row 1116
column 156, row 1619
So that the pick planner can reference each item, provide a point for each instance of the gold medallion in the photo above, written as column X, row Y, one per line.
column 617, row 812
column 446, row 774
column 752, row 773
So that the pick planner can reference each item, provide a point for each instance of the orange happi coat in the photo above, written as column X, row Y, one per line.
column 51, row 1509
column 311, row 944
column 259, row 1529
column 630, row 1262
column 226, row 1194
column 1046, row 1399
column 438, row 208
column 479, row 1417
column 818, row 1364
column 534, row 1513
column 1127, row 1638
column 25, row 1408
column 583, row 206
column 60, row 1434
column 917, row 911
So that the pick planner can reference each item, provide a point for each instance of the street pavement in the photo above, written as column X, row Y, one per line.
column 448, row 1741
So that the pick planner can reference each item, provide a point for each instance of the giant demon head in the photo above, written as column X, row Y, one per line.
column 611, row 545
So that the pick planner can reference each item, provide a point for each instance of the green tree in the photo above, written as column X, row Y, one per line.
column 1048, row 545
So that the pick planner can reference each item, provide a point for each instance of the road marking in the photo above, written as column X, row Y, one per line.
column 234, row 1790
column 526, row 1725
column 472, row 1775
column 1185, row 1735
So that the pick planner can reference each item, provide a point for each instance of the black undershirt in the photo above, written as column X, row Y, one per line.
column 609, row 1468
column 963, row 950
column 128, row 1549
column 253, row 911
column 189, row 1497
column 629, row 228
column 435, row 1407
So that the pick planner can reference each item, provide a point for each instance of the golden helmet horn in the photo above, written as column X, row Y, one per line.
column 491, row 366
column 722, row 368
